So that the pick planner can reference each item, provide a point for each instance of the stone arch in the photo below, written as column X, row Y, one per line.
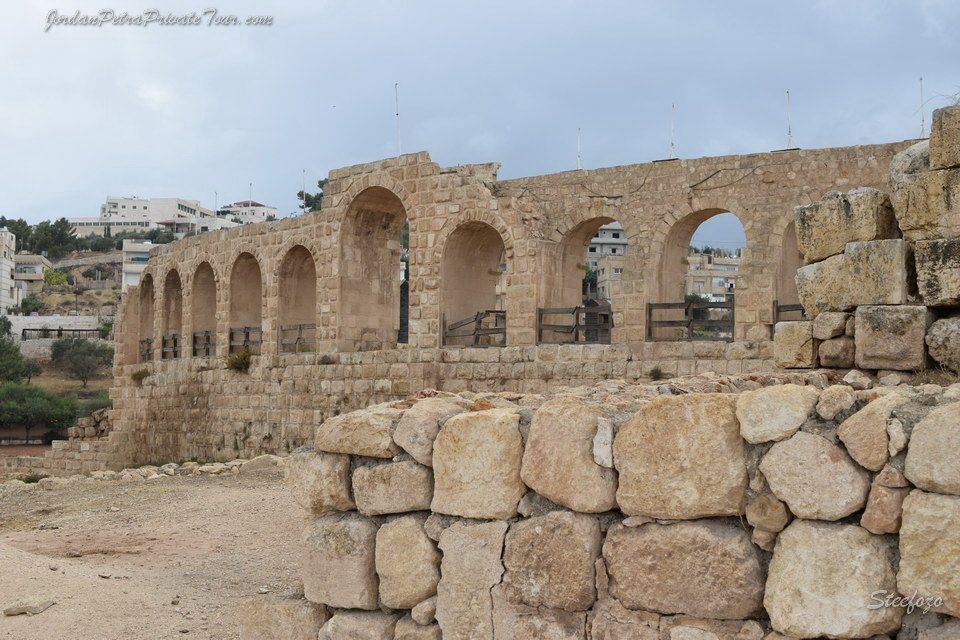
column 297, row 311
column 146, row 301
column 472, row 269
column 370, row 268
column 203, row 308
column 172, row 321
column 246, row 302
column 790, row 260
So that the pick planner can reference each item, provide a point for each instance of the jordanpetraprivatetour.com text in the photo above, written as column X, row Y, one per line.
column 153, row 18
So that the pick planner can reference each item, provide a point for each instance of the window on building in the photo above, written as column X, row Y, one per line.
column 593, row 249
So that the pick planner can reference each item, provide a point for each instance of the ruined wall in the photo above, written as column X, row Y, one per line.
column 715, row 508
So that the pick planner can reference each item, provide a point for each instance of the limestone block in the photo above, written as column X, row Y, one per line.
column 837, row 353
column 419, row 425
column 938, row 271
column 362, row 433
column 514, row 621
column 835, row 400
column 816, row 479
column 338, row 564
column 932, row 457
column 549, row 561
column 866, row 273
column 930, row 549
column 476, row 465
column 766, row 512
column 408, row 629
column 359, row 625
column 320, row 482
column 927, row 207
column 408, row 563
column 830, row 324
column 610, row 620
column 794, row 346
column 821, row 579
column 824, row 228
column 394, row 487
column 943, row 342
column 884, row 507
column 908, row 165
column 703, row 568
column 892, row 337
column 687, row 628
column 945, row 138
column 470, row 568
column 865, row 434
column 267, row 617
column 425, row 612
column 774, row 413
column 558, row 461
column 682, row 457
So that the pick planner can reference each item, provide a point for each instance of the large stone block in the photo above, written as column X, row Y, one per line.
column 514, row 621
column 476, row 465
column 320, row 482
column 794, row 346
column 865, row 273
column 824, row 228
column 908, row 165
column 394, row 487
column 945, row 138
column 822, row 579
column 774, row 413
column 837, row 353
column 338, row 564
column 816, row 479
column 943, row 342
column 470, row 568
column 267, row 617
column 408, row 563
column 550, row 560
column 927, row 207
column 681, row 458
column 938, row 271
column 884, row 508
column 930, row 549
column 704, row 568
column 864, row 434
column 362, row 433
column 408, row 629
column 830, row 324
column 558, row 460
column 933, row 457
column 359, row 625
column 419, row 425
column 892, row 337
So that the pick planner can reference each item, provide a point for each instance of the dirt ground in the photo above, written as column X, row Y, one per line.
column 164, row 558
column 24, row 449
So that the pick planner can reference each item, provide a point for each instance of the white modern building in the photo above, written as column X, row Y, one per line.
column 28, row 272
column 247, row 212
column 9, row 294
column 610, row 240
column 140, row 215
column 135, row 256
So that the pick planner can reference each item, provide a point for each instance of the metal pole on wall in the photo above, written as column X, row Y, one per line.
column 579, row 163
column 923, row 120
column 396, row 98
column 789, row 124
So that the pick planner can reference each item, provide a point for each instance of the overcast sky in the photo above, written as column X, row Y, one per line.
column 192, row 110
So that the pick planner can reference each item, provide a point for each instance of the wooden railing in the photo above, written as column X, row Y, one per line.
column 298, row 338
column 246, row 338
column 170, row 346
column 780, row 310
column 478, row 333
column 695, row 321
column 591, row 325
column 204, row 343
column 146, row 350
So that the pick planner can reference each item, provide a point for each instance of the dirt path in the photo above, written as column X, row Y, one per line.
column 166, row 558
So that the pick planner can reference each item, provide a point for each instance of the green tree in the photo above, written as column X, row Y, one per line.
column 312, row 201
column 82, row 359
column 31, row 407
column 12, row 365
column 20, row 228
column 31, row 368
column 56, row 238
column 54, row 277
column 5, row 326
column 31, row 304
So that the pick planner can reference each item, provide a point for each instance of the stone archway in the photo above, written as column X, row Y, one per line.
column 246, row 304
column 472, row 270
column 297, row 313
column 172, row 321
column 146, row 312
column 790, row 260
column 203, row 310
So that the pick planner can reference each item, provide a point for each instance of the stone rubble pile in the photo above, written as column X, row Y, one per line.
column 92, row 427
column 881, row 287
column 704, row 508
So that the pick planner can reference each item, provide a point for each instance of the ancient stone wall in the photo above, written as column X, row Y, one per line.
column 709, row 508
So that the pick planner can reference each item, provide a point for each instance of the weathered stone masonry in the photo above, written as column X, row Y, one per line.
column 473, row 240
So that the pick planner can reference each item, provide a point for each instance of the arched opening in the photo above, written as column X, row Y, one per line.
column 298, row 302
column 472, row 286
column 788, row 300
column 203, row 311
column 172, row 316
column 371, row 270
column 246, row 300
column 696, row 279
column 580, row 293
column 145, row 334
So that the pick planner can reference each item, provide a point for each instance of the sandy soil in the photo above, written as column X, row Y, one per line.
column 24, row 449
column 166, row 558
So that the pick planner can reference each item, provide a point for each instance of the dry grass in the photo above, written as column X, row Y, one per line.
column 56, row 381
column 91, row 301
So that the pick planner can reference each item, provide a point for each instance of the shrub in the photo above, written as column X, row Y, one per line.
column 239, row 360
column 105, row 330
column 327, row 359
column 101, row 400
column 5, row 326
column 55, row 277
column 656, row 373
column 139, row 375
column 13, row 368
column 31, row 368
column 31, row 407
column 81, row 358
column 31, row 304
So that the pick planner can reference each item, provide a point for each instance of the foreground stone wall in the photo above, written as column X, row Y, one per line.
column 710, row 507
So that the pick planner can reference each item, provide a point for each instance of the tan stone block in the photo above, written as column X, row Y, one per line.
column 394, row 487
column 470, row 568
column 513, row 621
column 931, row 462
column 266, row 617
column 926, row 206
column 338, row 563
column 363, row 433
column 837, row 353
column 824, row 228
column 864, row 434
column 774, row 413
column 830, row 324
column 938, row 271
column 681, row 458
column 892, row 337
column 408, row 563
column 884, row 508
column 794, row 346
column 407, row 629
column 945, row 138
column 419, row 425
column 930, row 549
column 768, row 513
column 320, row 482
column 360, row 625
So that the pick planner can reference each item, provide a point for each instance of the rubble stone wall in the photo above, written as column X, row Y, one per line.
column 715, row 508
